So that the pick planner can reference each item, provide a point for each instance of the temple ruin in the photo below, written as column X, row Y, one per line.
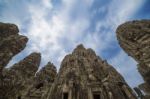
column 82, row 74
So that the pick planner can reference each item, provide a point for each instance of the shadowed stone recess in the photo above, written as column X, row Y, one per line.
column 134, row 38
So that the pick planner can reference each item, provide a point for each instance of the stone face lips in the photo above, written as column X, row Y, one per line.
column 11, row 43
column 83, row 75
column 134, row 38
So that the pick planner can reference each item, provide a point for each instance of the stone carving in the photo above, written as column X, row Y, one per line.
column 18, row 81
column 134, row 38
column 82, row 75
column 11, row 43
column 42, row 83
column 19, row 75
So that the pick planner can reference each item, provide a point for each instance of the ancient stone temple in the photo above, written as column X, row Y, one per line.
column 134, row 38
column 41, row 83
column 82, row 74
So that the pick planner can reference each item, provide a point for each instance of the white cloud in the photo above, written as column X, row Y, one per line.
column 47, row 3
column 45, row 34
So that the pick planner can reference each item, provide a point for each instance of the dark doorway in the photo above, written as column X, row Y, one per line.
column 38, row 86
column 19, row 97
column 96, row 96
column 65, row 96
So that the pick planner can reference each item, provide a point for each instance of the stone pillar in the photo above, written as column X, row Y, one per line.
column 90, row 94
column 128, row 93
column 110, row 95
column 70, row 94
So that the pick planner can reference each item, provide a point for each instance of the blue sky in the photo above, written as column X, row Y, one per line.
column 55, row 27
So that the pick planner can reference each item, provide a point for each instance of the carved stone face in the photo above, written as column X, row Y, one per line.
column 132, row 31
column 134, row 38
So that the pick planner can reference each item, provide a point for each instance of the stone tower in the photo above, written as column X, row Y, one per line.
column 84, row 75
column 41, row 83
column 134, row 38
column 19, row 77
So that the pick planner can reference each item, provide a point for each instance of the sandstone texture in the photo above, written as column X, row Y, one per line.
column 134, row 38
column 11, row 43
column 41, row 83
column 82, row 74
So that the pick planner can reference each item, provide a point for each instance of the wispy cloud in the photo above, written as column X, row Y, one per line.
column 46, row 34
column 55, row 30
